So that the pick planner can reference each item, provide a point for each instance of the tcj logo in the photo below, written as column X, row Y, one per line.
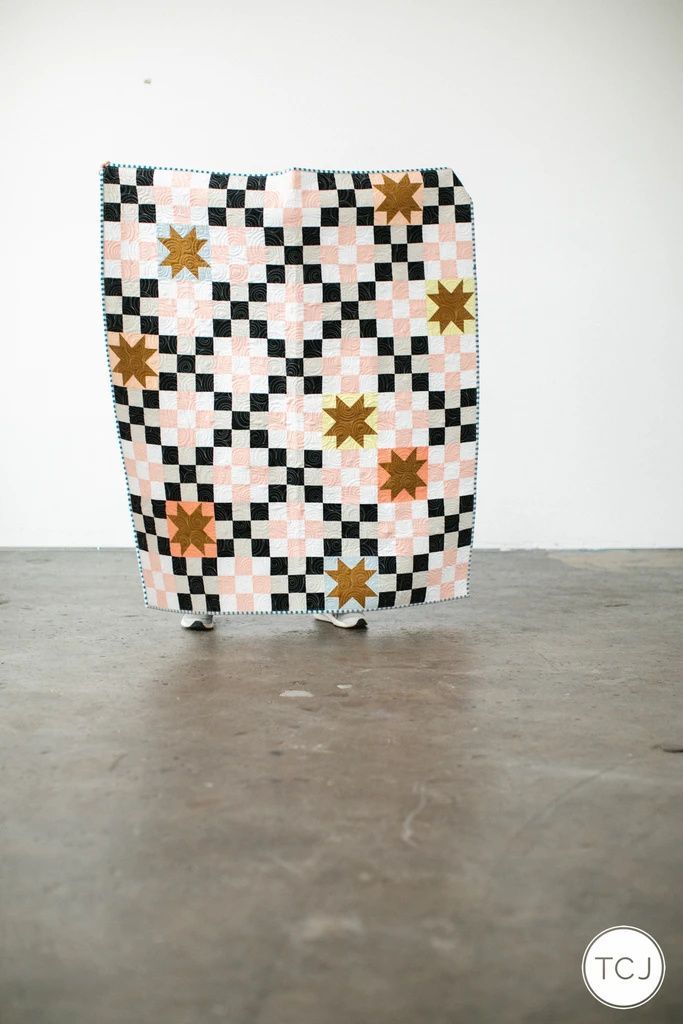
column 623, row 967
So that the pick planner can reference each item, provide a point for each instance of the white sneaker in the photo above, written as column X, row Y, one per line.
column 343, row 621
column 201, row 623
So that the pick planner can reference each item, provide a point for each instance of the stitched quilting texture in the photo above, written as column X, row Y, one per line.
column 293, row 361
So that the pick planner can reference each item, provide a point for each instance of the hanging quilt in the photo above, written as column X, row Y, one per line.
column 293, row 362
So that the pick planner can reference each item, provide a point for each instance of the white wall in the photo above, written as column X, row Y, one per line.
column 562, row 119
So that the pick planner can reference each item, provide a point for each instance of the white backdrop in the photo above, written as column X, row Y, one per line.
column 563, row 121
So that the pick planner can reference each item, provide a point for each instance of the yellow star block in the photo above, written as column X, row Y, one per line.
column 451, row 306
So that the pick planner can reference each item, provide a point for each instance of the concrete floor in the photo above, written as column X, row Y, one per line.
column 470, row 792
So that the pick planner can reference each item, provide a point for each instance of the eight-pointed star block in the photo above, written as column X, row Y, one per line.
column 398, row 198
column 402, row 473
column 349, row 421
column 351, row 581
column 450, row 306
column 183, row 252
column 134, row 360
column 191, row 529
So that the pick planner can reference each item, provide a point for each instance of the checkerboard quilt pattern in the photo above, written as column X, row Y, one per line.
column 294, row 370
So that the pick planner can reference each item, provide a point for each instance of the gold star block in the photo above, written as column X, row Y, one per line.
column 134, row 360
column 351, row 582
column 349, row 421
column 451, row 306
column 402, row 474
column 184, row 250
column 397, row 197
column 191, row 529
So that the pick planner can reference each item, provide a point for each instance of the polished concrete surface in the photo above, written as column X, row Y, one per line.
column 430, row 832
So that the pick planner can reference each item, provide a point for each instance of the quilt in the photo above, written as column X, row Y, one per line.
column 293, row 363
